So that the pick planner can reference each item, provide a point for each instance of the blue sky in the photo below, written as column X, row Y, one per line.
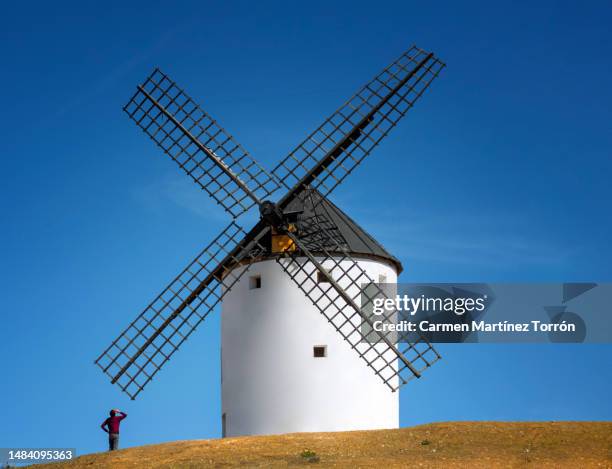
column 501, row 173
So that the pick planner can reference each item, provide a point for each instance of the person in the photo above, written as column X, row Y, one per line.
column 111, row 426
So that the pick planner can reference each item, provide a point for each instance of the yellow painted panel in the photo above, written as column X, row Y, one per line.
column 282, row 243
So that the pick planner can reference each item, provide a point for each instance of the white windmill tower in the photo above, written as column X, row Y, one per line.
column 298, row 349
column 284, row 369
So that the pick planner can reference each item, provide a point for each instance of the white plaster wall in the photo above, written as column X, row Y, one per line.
column 271, row 383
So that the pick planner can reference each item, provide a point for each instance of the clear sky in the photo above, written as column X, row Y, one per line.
column 501, row 173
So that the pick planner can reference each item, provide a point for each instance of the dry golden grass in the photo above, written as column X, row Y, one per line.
column 444, row 445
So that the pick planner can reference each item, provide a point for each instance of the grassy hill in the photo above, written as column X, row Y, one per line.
column 445, row 445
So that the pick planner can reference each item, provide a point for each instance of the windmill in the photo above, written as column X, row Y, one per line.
column 298, row 349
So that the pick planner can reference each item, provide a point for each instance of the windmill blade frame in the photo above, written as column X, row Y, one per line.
column 199, row 145
column 141, row 350
column 342, row 292
column 221, row 167
column 328, row 155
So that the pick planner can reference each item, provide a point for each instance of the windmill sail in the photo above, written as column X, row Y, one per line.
column 328, row 155
column 342, row 291
column 199, row 145
column 140, row 351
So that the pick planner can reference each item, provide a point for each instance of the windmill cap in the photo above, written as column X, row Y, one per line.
column 359, row 241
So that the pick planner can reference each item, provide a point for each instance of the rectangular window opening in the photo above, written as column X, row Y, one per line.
column 319, row 351
column 322, row 278
column 254, row 282
column 382, row 278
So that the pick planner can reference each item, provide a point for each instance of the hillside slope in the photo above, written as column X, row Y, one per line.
column 448, row 445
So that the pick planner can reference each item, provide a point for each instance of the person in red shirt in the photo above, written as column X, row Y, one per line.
column 111, row 426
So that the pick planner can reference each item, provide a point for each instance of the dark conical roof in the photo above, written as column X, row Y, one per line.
column 357, row 240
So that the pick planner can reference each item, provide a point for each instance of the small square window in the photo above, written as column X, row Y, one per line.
column 319, row 351
column 254, row 282
column 322, row 278
column 382, row 278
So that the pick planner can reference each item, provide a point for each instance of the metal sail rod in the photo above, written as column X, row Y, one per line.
column 218, row 161
column 350, row 301
column 216, row 273
column 348, row 139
